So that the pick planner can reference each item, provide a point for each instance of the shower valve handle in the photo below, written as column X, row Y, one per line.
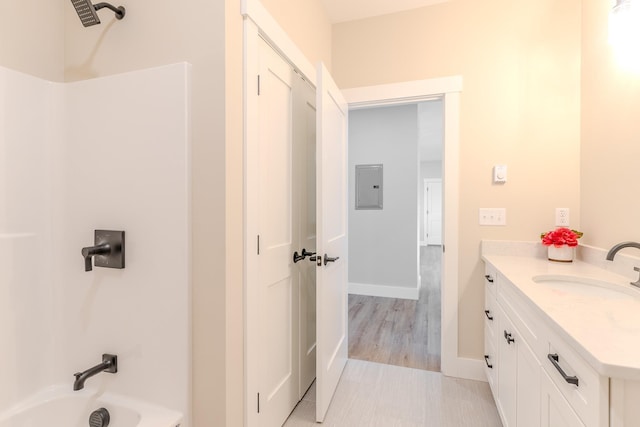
column 108, row 250
column 89, row 252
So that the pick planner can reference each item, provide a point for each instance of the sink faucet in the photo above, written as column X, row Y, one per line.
column 614, row 250
column 109, row 364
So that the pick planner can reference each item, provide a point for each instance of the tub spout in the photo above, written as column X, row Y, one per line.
column 109, row 364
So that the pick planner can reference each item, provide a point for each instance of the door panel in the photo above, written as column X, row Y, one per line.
column 331, row 239
column 433, row 198
column 278, row 285
column 304, row 165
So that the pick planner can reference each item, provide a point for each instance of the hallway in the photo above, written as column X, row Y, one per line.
column 398, row 331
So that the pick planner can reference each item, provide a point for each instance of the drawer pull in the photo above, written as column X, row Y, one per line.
column 487, row 313
column 507, row 336
column 486, row 360
column 489, row 278
column 554, row 359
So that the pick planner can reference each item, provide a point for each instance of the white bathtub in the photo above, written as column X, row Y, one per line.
column 62, row 407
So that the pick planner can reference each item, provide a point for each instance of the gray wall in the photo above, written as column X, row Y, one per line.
column 383, row 244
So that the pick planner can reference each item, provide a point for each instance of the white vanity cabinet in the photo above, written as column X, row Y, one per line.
column 556, row 411
column 516, row 371
column 537, row 379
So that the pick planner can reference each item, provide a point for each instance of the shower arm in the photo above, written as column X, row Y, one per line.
column 119, row 11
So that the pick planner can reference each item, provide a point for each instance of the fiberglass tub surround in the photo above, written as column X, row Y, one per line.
column 63, row 175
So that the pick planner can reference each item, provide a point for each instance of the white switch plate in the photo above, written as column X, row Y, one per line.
column 562, row 217
column 492, row 216
column 500, row 174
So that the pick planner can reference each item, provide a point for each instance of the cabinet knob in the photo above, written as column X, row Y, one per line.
column 508, row 337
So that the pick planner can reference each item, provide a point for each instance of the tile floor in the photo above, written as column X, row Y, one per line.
column 377, row 395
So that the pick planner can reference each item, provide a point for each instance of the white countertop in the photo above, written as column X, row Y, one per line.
column 604, row 331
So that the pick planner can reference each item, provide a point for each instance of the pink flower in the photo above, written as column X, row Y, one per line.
column 560, row 237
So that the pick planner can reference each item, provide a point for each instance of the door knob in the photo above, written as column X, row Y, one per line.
column 328, row 259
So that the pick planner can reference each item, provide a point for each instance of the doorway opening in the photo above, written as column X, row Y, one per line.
column 395, row 282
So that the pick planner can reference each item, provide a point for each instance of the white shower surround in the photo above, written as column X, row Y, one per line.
column 107, row 153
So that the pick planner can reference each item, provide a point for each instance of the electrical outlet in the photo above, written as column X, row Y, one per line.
column 492, row 216
column 562, row 217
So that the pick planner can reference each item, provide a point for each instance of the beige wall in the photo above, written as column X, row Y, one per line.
column 307, row 24
column 610, row 176
column 520, row 106
column 32, row 37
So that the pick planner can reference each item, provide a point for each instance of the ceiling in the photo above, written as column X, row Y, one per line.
column 350, row 10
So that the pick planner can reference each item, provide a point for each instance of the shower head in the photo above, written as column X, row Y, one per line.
column 87, row 11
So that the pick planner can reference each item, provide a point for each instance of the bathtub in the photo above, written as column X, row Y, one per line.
column 62, row 407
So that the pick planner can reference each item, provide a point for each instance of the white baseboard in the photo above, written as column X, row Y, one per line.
column 384, row 291
column 469, row 369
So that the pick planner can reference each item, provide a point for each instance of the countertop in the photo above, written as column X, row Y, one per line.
column 604, row 331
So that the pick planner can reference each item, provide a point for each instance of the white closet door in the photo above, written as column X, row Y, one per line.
column 277, row 294
column 331, row 219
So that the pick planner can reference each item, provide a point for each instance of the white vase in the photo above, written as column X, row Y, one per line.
column 560, row 254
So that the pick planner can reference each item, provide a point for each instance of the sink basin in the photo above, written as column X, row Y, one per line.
column 587, row 287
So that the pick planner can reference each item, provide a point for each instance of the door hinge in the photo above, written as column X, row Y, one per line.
column 258, row 244
column 258, row 84
column 258, row 402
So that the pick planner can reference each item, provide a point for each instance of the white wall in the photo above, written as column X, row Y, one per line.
column 428, row 170
column 118, row 158
column 383, row 244
column 26, row 332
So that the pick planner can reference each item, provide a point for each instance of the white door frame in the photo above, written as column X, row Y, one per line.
column 448, row 88
column 258, row 21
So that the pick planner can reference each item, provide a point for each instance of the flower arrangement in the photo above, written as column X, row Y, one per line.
column 560, row 237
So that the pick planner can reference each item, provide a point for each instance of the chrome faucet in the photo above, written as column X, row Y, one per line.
column 614, row 250
column 109, row 364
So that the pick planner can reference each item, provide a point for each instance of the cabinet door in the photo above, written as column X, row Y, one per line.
column 507, row 369
column 528, row 387
column 518, row 378
column 555, row 410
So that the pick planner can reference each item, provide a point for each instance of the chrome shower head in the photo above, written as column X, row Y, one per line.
column 87, row 11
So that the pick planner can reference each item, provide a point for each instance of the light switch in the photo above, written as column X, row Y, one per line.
column 500, row 174
column 492, row 216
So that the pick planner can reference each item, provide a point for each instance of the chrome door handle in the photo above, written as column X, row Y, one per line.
column 328, row 259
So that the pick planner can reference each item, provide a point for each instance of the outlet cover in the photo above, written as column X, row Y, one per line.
column 562, row 217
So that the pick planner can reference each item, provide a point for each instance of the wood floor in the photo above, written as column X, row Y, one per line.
column 377, row 395
column 397, row 331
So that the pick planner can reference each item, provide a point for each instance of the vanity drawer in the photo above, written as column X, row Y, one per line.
column 490, row 360
column 589, row 397
column 523, row 317
column 490, row 279
column 490, row 302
